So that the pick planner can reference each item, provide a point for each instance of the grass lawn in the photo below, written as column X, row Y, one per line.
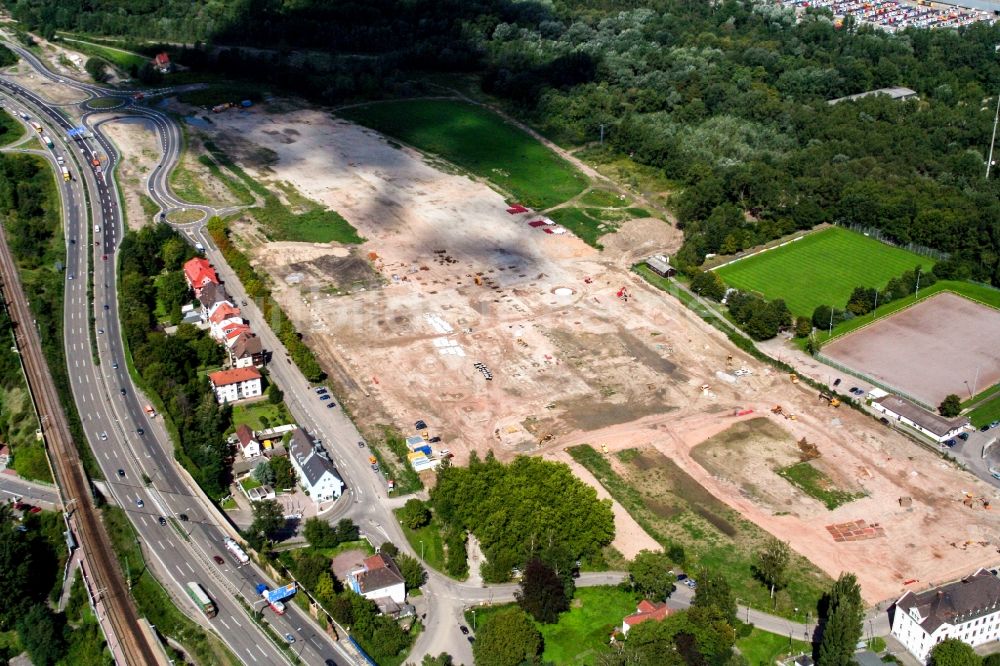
column 581, row 634
column 762, row 648
column 220, row 94
column 818, row 485
column 480, row 141
column 433, row 544
column 601, row 199
column 118, row 57
column 105, row 103
column 249, row 483
column 253, row 414
column 821, row 269
column 585, row 227
column 986, row 413
column 10, row 129
column 185, row 216
column 675, row 509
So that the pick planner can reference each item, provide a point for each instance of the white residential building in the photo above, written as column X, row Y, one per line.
column 249, row 446
column 378, row 578
column 968, row 610
column 923, row 421
column 315, row 470
column 236, row 384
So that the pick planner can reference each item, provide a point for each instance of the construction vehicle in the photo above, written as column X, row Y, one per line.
column 373, row 462
column 478, row 280
column 604, row 449
column 729, row 361
column 832, row 399
column 781, row 412
column 974, row 502
column 794, row 378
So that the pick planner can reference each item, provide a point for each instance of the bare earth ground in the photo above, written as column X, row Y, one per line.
column 51, row 91
column 929, row 350
column 139, row 147
column 571, row 363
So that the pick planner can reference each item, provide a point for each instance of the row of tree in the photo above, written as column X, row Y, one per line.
column 760, row 318
column 169, row 364
column 522, row 510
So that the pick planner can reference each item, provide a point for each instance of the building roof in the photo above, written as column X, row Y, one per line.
column 647, row 610
column 312, row 460
column 380, row 572
column 244, row 434
column 162, row 59
column 223, row 312
column 233, row 331
column 233, row 376
column 213, row 293
column 954, row 603
column 927, row 420
column 658, row 263
column 897, row 92
column 198, row 271
column 246, row 345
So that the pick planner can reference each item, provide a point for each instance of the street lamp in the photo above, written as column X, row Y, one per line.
column 421, row 549
column 473, row 619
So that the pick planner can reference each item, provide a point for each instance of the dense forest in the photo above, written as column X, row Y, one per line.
column 729, row 99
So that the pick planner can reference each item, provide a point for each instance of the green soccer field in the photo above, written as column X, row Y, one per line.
column 480, row 141
column 821, row 269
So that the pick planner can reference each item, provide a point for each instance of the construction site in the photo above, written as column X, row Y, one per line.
column 459, row 311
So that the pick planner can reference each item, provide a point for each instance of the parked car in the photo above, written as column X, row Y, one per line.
column 331, row 405
column 218, row 560
column 950, row 443
column 854, row 390
column 691, row 582
column 836, row 382
column 994, row 424
column 964, row 436
column 320, row 390
column 324, row 397
column 883, row 420
column 464, row 629
column 420, row 425
column 361, row 445
column 682, row 576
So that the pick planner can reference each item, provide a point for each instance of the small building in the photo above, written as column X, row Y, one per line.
column 968, row 610
column 198, row 273
column 162, row 62
column 236, row 384
column 378, row 577
column 897, row 92
column 247, row 351
column 645, row 611
column 249, row 446
column 224, row 317
column 316, row 472
column 271, row 437
column 660, row 264
column 261, row 493
column 923, row 421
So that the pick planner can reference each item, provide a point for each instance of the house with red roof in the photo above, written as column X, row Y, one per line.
column 245, row 439
column 645, row 611
column 162, row 62
column 198, row 273
column 236, row 384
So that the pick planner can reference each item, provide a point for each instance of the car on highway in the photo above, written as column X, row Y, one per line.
column 115, row 365
column 72, row 241
column 464, row 629
column 289, row 638
column 361, row 445
column 104, row 436
column 100, row 331
column 107, row 307
column 183, row 517
column 325, row 397
column 71, row 276
column 218, row 560
column 121, row 474
column 140, row 431
column 104, row 257
column 122, row 390
column 162, row 520
column 139, row 503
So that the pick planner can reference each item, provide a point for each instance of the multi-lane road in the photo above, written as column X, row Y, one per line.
column 126, row 443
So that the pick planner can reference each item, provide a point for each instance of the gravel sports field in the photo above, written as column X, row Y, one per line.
column 929, row 350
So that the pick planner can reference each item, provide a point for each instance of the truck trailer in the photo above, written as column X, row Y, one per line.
column 48, row 141
column 65, row 174
column 276, row 597
column 236, row 551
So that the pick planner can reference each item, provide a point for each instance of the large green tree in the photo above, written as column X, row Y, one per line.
column 415, row 514
column 841, row 625
column 319, row 533
column 953, row 652
column 542, row 593
column 41, row 632
column 508, row 639
column 651, row 576
column 694, row 637
column 713, row 591
column 772, row 562
column 951, row 406
column 413, row 572
column 268, row 521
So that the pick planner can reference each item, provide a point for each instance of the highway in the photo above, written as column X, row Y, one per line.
column 124, row 438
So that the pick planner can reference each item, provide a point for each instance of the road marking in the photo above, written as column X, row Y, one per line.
column 261, row 651
column 225, row 624
column 189, row 566
column 178, row 570
column 160, row 543
column 237, row 622
column 251, row 654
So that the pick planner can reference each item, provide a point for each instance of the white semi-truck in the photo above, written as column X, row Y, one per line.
column 236, row 551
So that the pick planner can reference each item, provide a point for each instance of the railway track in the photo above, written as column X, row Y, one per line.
column 104, row 570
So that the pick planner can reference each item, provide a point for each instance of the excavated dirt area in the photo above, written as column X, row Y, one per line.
column 570, row 361
column 139, row 147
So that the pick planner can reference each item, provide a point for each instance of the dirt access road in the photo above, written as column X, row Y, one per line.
column 402, row 319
